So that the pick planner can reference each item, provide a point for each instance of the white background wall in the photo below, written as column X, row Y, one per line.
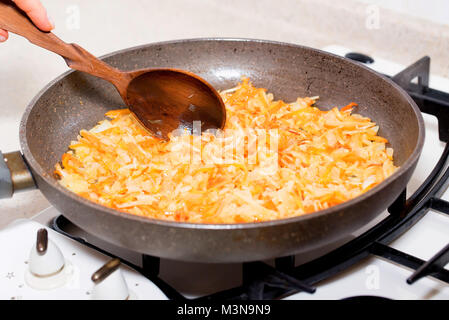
column 433, row 10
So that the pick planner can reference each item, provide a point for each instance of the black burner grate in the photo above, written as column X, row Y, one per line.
column 261, row 281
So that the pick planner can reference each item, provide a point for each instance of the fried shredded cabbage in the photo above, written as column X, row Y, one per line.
column 315, row 159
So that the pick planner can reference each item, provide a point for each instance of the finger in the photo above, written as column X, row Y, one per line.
column 3, row 35
column 37, row 13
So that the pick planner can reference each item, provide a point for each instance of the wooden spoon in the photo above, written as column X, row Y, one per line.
column 161, row 99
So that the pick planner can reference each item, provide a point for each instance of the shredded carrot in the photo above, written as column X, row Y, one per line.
column 349, row 107
column 315, row 159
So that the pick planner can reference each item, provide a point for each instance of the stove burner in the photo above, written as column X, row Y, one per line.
column 366, row 298
column 360, row 57
column 261, row 281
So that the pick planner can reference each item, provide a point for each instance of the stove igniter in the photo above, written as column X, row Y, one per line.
column 47, row 267
column 109, row 283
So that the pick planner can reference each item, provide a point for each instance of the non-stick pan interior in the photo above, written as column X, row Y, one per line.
column 77, row 101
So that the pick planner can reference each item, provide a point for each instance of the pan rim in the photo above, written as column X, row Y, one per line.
column 411, row 160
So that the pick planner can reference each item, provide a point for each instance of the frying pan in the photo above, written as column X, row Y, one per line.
column 76, row 101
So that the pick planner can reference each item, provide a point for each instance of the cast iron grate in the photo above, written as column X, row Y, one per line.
column 262, row 281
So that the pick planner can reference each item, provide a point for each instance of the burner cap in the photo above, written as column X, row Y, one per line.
column 360, row 57
column 366, row 298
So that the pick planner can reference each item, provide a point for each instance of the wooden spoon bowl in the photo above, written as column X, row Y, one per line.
column 168, row 99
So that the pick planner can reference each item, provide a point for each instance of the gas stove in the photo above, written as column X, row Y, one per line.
column 400, row 255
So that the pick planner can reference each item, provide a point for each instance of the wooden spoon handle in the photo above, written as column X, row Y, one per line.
column 14, row 20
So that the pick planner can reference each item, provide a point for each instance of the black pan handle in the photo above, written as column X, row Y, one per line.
column 15, row 176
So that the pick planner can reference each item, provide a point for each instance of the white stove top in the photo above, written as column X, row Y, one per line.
column 17, row 240
column 373, row 276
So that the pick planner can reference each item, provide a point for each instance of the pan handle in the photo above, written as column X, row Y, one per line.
column 14, row 174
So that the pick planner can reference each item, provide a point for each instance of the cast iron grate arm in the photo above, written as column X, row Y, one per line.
column 434, row 267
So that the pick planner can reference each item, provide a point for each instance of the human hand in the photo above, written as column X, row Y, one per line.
column 37, row 13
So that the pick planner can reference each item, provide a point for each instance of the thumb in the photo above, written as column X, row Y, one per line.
column 37, row 13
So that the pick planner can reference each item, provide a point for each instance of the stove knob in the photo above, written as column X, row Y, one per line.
column 109, row 283
column 47, row 266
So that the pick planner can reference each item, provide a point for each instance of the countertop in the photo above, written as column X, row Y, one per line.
column 103, row 26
